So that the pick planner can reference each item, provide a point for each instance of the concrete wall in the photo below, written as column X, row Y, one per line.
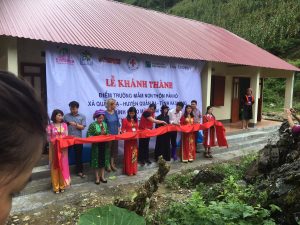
column 9, row 54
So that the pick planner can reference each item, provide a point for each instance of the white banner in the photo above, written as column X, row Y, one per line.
column 90, row 76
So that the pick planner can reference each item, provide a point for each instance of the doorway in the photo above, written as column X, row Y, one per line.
column 240, row 85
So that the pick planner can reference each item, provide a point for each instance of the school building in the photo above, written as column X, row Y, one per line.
column 232, row 64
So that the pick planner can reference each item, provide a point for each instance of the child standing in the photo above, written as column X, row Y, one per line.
column 210, row 133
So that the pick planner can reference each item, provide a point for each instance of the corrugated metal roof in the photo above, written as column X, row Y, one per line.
column 116, row 26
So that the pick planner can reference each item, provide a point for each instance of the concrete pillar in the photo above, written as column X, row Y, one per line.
column 254, row 84
column 12, row 56
column 206, row 85
column 289, row 89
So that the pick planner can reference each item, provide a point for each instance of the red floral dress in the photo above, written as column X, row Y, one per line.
column 130, row 148
column 210, row 133
column 188, row 147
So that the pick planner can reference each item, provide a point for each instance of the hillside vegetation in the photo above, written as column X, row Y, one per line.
column 271, row 24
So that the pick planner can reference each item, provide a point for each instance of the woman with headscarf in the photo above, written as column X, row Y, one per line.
column 98, row 127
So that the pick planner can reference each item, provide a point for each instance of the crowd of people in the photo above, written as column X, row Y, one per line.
column 104, row 154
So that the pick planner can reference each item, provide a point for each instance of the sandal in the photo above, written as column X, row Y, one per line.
column 206, row 155
column 97, row 182
column 113, row 168
column 81, row 175
column 102, row 180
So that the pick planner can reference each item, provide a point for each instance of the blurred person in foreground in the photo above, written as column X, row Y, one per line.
column 22, row 137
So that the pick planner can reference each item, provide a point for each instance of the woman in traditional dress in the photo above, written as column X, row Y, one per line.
column 162, row 146
column 188, row 147
column 99, row 127
column 247, row 102
column 130, row 124
column 209, row 134
column 60, row 174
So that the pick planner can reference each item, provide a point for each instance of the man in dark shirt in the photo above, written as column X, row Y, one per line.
column 76, row 123
column 146, row 123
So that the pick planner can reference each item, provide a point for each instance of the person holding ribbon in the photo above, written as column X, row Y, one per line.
column 114, row 128
column 59, row 162
column 98, row 127
column 130, row 124
column 162, row 146
column 210, row 133
column 188, row 147
column 146, row 123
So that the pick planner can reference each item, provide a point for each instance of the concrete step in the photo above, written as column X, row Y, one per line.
column 233, row 139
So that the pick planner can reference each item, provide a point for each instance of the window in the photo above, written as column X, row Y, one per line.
column 217, row 91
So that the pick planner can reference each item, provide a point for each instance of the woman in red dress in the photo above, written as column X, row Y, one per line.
column 188, row 147
column 210, row 133
column 130, row 124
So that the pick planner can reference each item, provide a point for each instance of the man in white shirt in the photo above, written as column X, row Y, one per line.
column 197, row 118
column 175, row 115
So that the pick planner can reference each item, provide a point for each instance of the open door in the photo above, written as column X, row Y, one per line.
column 260, row 99
column 235, row 104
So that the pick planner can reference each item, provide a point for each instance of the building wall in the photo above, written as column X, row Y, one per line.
column 13, row 52
column 30, row 51
column 223, row 112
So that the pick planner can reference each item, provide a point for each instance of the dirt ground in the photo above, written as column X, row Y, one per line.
column 69, row 213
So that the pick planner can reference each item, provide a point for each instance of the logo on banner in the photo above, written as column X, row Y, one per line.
column 132, row 63
column 86, row 58
column 184, row 67
column 109, row 60
column 64, row 56
column 173, row 66
column 149, row 64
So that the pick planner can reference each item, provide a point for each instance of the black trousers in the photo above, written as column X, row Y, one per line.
column 144, row 149
column 162, row 147
column 101, row 154
column 78, row 157
column 173, row 136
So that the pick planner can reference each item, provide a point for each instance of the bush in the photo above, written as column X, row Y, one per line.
column 180, row 180
column 195, row 212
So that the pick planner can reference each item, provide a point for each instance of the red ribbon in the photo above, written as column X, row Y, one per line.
column 220, row 130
